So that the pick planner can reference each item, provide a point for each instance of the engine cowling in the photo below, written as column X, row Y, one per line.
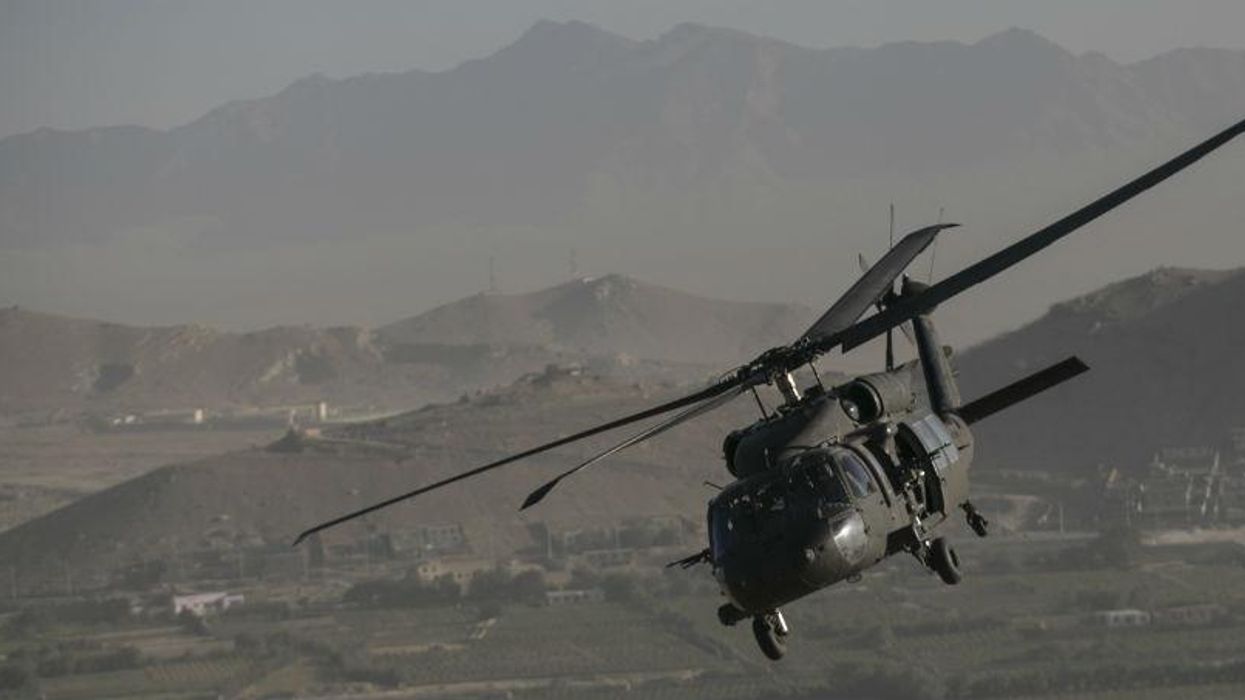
column 873, row 396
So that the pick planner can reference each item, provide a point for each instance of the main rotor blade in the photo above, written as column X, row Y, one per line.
column 985, row 269
column 695, row 411
column 872, row 285
column 1021, row 390
column 710, row 392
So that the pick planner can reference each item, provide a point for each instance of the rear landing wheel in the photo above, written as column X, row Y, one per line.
column 944, row 561
column 770, row 635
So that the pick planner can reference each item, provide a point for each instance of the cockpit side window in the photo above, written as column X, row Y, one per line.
column 814, row 470
column 855, row 473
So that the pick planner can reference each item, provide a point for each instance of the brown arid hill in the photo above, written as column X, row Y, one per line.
column 1166, row 370
column 266, row 496
column 614, row 325
column 52, row 363
column 611, row 315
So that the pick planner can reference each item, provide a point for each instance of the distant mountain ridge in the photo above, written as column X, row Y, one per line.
column 570, row 117
column 613, row 324
column 611, row 315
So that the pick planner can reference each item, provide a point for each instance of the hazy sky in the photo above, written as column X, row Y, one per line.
column 71, row 64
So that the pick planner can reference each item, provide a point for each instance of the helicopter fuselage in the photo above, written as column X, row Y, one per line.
column 834, row 482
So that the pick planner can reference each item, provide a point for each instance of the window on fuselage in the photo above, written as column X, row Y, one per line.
column 813, row 474
column 855, row 473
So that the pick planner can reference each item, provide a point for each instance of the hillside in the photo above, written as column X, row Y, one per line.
column 1166, row 370
column 614, row 325
column 261, row 497
column 611, row 315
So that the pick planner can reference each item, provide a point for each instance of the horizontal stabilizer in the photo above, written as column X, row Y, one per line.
column 1022, row 390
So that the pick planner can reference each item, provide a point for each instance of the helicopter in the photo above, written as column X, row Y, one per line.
column 837, row 479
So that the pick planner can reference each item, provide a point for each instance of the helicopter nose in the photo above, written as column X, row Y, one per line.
column 849, row 536
column 835, row 549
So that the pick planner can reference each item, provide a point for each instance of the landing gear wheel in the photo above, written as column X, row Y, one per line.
column 770, row 638
column 944, row 561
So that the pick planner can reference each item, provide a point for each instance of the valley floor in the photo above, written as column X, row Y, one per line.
column 1023, row 624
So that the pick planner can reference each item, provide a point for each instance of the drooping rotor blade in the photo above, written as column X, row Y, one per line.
column 872, row 285
column 985, row 269
column 1021, row 390
column 733, row 382
column 694, row 412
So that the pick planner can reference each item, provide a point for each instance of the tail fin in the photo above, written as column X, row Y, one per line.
column 1026, row 388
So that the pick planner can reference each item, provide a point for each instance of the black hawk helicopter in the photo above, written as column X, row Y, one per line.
column 837, row 479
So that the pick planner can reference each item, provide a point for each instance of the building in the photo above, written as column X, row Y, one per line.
column 1191, row 615
column 203, row 604
column 424, row 541
column 1128, row 617
column 1181, row 487
column 606, row 558
column 574, row 596
column 462, row 570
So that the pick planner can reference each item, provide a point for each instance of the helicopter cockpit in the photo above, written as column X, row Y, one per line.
column 811, row 486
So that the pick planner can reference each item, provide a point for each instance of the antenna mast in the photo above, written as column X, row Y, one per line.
column 890, row 335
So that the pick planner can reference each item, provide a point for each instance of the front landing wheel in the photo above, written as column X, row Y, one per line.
column 771, row 635
column 944, row 561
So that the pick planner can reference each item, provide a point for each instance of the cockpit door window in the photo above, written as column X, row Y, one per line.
column 855, row 473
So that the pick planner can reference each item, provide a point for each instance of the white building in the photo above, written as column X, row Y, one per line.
column 202, row 604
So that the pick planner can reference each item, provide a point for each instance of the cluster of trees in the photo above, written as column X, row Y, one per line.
column 22, row 668
column 16, row 678
column 495, row 587
column 1118, row 547
column 110, row 611
column 498, row 585
column 1107, row 677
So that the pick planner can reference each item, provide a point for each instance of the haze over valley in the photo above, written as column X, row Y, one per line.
column 215, row 335
column 709, row 160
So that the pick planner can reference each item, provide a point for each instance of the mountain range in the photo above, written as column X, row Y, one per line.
column 705, row 159
column 570, row 115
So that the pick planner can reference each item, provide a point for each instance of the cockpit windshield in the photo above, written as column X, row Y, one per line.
column 812, row 470
column 855, row 473
column 809, row 483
